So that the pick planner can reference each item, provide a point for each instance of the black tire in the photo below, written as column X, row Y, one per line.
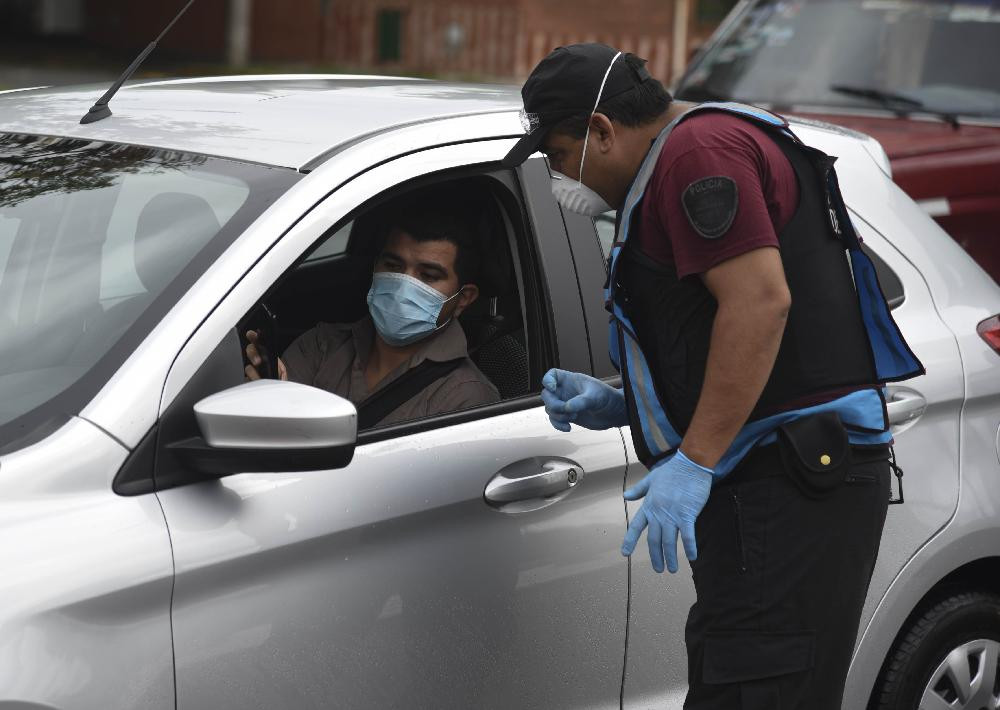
column 944, row 626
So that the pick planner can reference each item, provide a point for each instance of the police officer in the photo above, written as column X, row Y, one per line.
column 753, row 343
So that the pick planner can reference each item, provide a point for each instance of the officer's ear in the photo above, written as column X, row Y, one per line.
column 604, row 130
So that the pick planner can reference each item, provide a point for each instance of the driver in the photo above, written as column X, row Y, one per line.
column 424, row 278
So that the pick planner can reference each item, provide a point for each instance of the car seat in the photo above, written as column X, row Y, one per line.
column 494, row 323
column 171, row 229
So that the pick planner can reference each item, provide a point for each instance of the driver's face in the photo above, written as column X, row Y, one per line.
column 432, row 262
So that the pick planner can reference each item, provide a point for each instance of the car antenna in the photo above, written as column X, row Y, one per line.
column 100, row 109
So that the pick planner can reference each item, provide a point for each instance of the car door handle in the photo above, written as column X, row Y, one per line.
column 532, row 478
column 904, row 405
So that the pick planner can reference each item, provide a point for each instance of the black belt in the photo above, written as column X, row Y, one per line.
column 765, row 462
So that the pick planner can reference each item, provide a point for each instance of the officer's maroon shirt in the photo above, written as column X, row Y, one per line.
column 713, row 144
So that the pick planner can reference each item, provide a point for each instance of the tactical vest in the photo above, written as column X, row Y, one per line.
column 839, row 332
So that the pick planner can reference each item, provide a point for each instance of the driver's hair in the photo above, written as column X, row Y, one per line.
column 426, row 216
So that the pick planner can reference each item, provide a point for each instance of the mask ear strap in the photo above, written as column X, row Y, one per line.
column 596, row 104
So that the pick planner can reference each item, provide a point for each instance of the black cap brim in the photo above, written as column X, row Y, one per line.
column 522, row 150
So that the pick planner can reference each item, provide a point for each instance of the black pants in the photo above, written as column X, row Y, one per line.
column 781, row 581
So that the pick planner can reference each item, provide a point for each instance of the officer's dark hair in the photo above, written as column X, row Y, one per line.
column 434, row 221
column 636, row 107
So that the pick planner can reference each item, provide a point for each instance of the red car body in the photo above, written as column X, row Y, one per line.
column 953, row 174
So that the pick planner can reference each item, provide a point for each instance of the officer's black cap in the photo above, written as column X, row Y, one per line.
column 565, row 84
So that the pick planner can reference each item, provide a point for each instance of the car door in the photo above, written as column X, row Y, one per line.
column 394, row 582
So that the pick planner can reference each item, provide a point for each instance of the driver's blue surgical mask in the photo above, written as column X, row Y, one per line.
column 573, row 194
column 405, row 309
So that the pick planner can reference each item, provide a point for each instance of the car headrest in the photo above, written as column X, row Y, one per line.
column 172, row 227
column 497, row 270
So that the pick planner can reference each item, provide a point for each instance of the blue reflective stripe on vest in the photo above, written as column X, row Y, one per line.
column 858, row 409
column 862, row 409
column 661, row 436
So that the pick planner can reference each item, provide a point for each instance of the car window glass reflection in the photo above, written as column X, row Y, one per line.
column 90, row 235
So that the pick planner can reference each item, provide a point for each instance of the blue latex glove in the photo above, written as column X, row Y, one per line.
column 675, row 490
column 582, row 399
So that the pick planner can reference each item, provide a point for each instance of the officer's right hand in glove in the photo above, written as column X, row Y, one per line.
column 675, row 491
column 572, row 397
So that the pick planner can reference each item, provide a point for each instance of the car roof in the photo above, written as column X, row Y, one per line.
column 285, row 120
column 282, row 120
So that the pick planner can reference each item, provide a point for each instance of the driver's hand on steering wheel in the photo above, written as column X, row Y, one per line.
column 253, row 355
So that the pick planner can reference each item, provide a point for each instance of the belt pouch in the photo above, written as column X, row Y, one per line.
column 815, row 453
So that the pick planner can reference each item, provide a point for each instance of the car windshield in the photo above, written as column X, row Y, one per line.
column 903, row 55
column 97, row 241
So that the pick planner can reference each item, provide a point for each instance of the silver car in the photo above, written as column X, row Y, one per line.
column 172, row 536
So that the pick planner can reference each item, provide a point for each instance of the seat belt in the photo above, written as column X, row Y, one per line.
column 379, row 405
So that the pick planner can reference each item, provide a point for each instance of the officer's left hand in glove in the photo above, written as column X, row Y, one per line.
column 583, row 400
column 675, row 492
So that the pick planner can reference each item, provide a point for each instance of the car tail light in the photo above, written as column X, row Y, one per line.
column 989, row 329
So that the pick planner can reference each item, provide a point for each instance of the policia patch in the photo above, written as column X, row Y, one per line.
column 710, row 205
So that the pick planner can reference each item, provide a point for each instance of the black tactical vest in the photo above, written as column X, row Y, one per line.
column 825, row 344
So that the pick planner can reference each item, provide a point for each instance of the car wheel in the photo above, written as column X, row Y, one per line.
column 947, row 659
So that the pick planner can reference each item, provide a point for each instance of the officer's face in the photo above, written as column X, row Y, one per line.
column 602, row 171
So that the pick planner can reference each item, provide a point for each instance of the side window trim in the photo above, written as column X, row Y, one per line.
column 591, row 267
column 556, row 266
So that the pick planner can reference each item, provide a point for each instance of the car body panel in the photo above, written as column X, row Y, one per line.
column 963, row 295
column 391, row 583
column 656, row 665
column 918, row 135
column 274, row 120
column 85, row 593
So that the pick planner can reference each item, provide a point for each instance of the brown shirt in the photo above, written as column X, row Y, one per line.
column 332, row 356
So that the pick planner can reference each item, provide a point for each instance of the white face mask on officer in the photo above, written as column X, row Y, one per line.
column 573, row 195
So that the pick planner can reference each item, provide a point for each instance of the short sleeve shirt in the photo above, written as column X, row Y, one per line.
column 700, row 150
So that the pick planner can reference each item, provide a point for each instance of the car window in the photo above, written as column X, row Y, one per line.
column 91, row 235
column 892, row 285
column 324, row 328
column 904, row 55
column 334, row 245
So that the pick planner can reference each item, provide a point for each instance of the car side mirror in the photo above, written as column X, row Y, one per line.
column 270, row 426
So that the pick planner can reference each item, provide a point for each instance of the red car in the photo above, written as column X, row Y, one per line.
column 920, row 76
